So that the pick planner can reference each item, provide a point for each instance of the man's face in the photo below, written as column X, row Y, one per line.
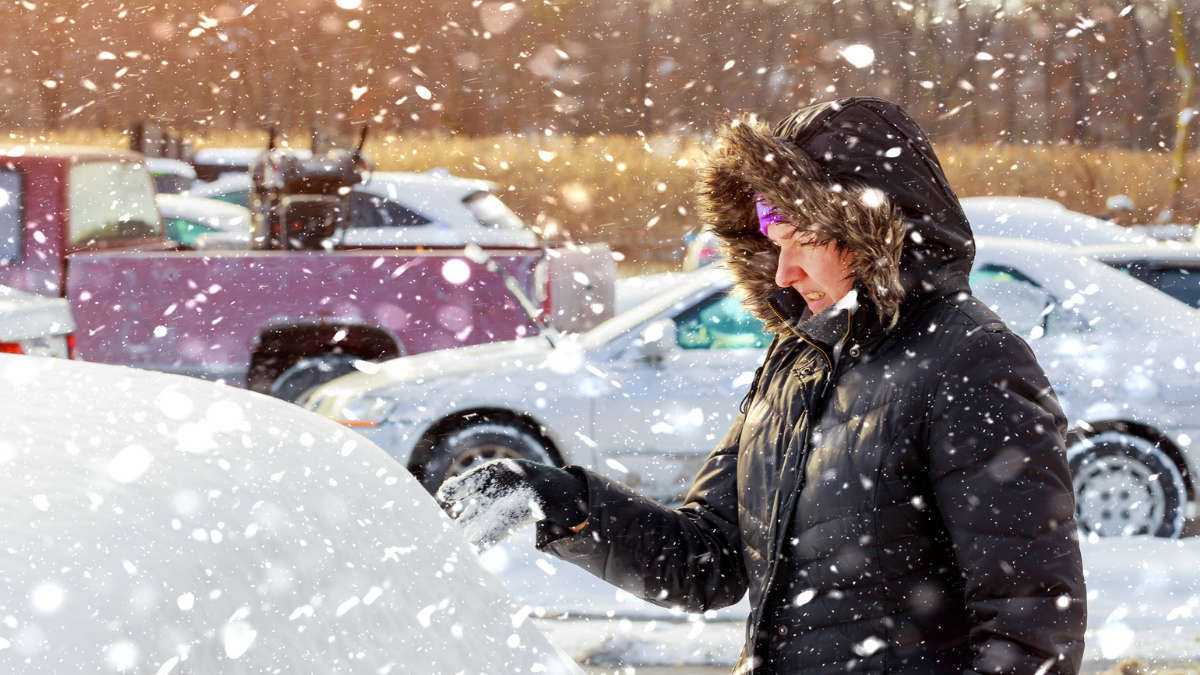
column 822, row 274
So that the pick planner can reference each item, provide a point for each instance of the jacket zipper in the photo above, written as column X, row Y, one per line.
column 777, row 537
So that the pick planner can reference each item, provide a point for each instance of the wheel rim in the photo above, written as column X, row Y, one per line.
column 1118, row 496
column 479, row 454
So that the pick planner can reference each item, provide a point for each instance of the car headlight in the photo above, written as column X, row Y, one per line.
column 365, row 411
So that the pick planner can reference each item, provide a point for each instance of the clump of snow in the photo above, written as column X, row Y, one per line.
column 248, row 543
column 488, row 511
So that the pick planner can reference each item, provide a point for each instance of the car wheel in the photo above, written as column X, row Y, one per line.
column 463, row 448
column 308, row 372
column 1126, row 485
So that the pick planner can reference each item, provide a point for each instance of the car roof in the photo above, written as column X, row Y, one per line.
column 233, row 156
column 188, row 206
column 1150, row 250
column 1043, row 220
column 434, row 195
column 165, row 165
column 1010, row 202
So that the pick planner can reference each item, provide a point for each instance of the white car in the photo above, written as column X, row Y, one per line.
column 34, row 324
column 1042, row 220
column 155, row 523
column 644, row 396
column 412, row 209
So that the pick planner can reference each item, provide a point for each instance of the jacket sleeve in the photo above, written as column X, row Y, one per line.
column 688, row 557
column 1002, row 484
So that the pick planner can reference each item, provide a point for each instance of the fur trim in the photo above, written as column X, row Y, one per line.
column 746, row 158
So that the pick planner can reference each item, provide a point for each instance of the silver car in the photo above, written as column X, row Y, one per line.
column 645, row 396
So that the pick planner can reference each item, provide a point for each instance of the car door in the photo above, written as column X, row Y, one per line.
column 660, row 421
column 1070, row 352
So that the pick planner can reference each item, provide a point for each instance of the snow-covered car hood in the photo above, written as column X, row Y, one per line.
column 158, row 523
column 25, row 316
column 396, row 378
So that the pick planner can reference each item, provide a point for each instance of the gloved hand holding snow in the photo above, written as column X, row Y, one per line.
column 495, row 499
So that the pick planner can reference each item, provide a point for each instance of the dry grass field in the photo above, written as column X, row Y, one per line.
column 637, row 193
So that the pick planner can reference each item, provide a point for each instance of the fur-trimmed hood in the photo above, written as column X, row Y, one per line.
column 858, row 172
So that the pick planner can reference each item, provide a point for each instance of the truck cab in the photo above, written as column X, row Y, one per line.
column 57, row 201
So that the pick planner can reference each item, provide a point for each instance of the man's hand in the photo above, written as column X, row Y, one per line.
column 492, row 500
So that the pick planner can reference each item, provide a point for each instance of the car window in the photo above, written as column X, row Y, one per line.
column 365, row 211
column 1026, row 308
column 111, row 200
column 719, row 322
column 239, row 197
column 1180, row 281
column 185, row 231
column 12, row 199
column 169, row 183
column 368, row 210
column 399, row 216
column 491, row 212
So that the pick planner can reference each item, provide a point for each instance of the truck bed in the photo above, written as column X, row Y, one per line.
column 201, row 313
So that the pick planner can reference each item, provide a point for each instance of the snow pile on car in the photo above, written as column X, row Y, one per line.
column 159, row 524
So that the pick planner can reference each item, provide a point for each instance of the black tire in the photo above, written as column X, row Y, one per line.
column 308, row 372
column 1126, row 485
column 479, row 442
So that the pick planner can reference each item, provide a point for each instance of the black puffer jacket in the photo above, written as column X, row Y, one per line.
column 895, row 496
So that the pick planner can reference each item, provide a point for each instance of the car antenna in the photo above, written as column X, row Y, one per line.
column 477, row 255
column 271, row 138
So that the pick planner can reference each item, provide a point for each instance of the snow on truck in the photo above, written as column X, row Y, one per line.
column 293, row 311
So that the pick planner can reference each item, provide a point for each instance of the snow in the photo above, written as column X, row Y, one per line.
column 156, row 524
column 1143, row 603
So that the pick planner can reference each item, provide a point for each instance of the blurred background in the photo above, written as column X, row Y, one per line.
column 591, row 113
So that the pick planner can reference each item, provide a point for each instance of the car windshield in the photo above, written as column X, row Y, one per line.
column 111, row 200
column 491, row 212
column 625, row 322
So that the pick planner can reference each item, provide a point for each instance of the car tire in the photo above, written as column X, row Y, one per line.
column 1126, row 485
column 479, row 442
column 308, row 372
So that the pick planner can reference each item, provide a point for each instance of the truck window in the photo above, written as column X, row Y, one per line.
column 491, row 212
column 111, row 200
column 12, row 199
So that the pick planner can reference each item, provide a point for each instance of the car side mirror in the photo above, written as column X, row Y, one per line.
column 658, row 341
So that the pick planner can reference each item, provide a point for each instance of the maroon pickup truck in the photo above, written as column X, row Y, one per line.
column 82, row 224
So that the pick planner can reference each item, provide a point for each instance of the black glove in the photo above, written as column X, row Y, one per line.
column 492, row 500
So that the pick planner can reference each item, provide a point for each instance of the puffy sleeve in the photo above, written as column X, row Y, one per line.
column 689, row 557
column 1001, row 481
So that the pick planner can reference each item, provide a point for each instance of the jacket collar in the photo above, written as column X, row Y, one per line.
column 848, row 324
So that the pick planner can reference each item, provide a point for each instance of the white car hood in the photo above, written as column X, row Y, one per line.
column 397, row 375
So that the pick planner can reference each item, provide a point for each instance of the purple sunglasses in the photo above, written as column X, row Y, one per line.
column 767, row 215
